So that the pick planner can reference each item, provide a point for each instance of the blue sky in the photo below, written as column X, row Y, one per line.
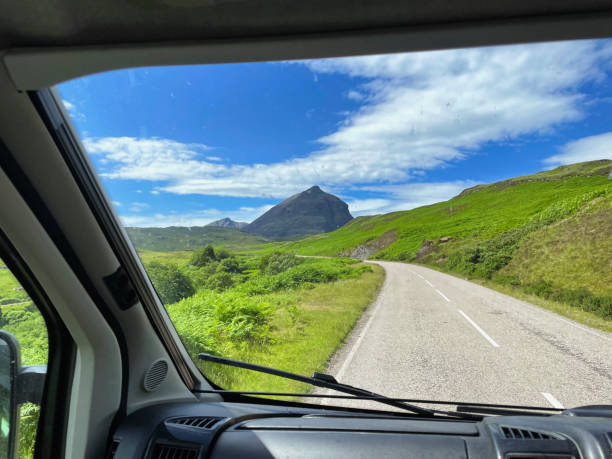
column 191, row 144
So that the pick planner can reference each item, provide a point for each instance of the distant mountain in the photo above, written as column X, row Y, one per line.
column 228, row 223
column 190, row 238
column 310, row 212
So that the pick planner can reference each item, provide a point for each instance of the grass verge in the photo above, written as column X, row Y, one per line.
column 579, row 315
column 308, row 326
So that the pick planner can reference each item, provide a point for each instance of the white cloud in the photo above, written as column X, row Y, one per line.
column 421, row 111
column 194, row 218
column 139, row 206
column 407, row 196
column 68, row 105
column 367, row 206
column 151, row 158
column 584, row 149
column 354, row 95
column 214, row 158
column 72, row 110
column 116, row 203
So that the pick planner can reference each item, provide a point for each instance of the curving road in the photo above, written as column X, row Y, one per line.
column 434, row 336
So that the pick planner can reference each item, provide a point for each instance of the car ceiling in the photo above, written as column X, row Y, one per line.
column 53, row 23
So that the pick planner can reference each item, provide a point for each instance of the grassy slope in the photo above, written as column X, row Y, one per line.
column 574, row 252
column 305, row 339
column 479, row 214
column 179, row 238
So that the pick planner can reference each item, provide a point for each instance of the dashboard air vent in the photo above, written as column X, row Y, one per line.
column 523, row 434
column 162, row 451
column 201, row 422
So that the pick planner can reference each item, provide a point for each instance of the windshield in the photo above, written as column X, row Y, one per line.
column 432, row 225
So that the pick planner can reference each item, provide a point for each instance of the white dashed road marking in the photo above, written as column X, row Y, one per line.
column 480, row 330
column 429, row 283
column 443, row 295
column 552, row 400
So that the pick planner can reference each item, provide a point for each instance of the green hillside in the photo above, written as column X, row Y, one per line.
column 549, row 233
column 190, row 238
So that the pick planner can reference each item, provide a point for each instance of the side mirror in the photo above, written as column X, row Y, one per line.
column 9, row 370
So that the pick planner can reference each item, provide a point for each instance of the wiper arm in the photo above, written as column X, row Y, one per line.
column 319, row 380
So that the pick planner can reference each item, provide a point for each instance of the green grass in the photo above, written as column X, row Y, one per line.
column 579, row 315
column 176, row 257
column 575, row 252
column 281, row 311
column 478, row 215
column 308, row 326
column 177, row 238
column 10, row 289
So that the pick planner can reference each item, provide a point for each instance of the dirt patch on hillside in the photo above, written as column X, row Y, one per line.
column 383, row 241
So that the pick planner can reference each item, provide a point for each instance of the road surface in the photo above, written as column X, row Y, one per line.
column 434, row 336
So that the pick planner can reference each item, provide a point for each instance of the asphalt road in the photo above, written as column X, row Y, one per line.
column 434, row 336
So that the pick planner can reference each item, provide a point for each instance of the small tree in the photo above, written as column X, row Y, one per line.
column 203, row 256
column 229, row 265
column 220, row 281
column 171, row 284
column 222, row 254
column 278, row 262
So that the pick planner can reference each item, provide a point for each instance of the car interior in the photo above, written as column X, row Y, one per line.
column 119, row 383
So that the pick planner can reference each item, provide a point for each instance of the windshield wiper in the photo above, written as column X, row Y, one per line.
column 320, row 380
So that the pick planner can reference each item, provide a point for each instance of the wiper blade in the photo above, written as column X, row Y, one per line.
column 319, row 380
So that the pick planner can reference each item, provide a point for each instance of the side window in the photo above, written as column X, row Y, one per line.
column 22, row 323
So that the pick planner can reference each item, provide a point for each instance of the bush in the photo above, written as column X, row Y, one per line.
column 220, row 281
column 209, row 321
column 508, row 279
column 308, row 273
column 203, row 256
column 171, row 284
column 488, row 257
column 221, row 254
column 278, row 262
column 580, row 298
column 199, row 276
column 540, row 288
column 229, row 265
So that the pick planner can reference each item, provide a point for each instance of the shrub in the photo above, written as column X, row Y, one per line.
column 540, row 288
column 304, row 274
column 199, row 276
column 579, row 298
column 203, row 256
column 278, row 262
column 221, row 254
column 209, row 321
column 171, row 284
column 508, row 279
column 220, row 281
column 229, row 265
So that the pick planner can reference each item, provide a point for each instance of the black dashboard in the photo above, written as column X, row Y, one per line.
column 243, row 430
